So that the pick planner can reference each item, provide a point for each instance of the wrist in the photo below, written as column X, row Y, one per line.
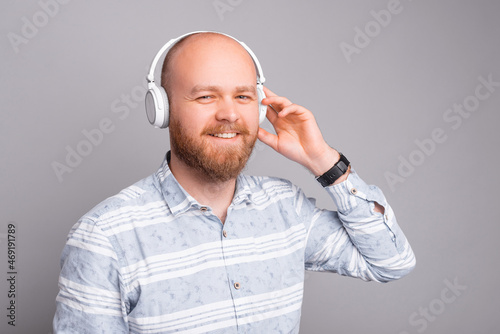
column 324, row 162
column 343, row 177
column 336, row 174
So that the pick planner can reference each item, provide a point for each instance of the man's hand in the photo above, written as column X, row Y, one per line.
column 298, row 136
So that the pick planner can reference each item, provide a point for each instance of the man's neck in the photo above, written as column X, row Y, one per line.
column 216, row 195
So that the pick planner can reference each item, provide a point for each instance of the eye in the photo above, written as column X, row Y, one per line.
column 243, row 97
column 205, row 98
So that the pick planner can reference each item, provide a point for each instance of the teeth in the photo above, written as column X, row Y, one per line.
column 224, row 135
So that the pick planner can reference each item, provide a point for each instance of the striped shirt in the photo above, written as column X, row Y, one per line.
column 151, row 259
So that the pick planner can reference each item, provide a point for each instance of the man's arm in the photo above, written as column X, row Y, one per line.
column 363, row 238
column 356, row 240
column 90, row 294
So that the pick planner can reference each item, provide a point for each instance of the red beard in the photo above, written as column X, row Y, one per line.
column 217, row 163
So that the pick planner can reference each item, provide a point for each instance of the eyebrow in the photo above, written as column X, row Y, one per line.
column 211, row 88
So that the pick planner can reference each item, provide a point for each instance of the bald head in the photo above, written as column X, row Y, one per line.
column 206, row 50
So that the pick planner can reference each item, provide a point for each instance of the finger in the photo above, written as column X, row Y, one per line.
column 271, row 114
column 293, row 109
column 269, row 139
column 268, row 92
column 278, row 102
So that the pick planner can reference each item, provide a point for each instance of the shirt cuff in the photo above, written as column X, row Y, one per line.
column 348, row 194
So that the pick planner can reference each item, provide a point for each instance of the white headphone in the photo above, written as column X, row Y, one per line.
column 157, row 108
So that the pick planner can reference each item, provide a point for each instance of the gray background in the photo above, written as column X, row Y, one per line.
column 89, row 55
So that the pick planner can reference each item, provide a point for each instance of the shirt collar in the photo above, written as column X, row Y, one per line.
column 178, row 199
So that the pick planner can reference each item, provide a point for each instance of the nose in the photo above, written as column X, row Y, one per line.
column 226, row 111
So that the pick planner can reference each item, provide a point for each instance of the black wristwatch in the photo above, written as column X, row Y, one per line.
column 335, row 172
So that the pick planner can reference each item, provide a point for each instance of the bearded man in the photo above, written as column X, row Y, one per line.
column 197, row 247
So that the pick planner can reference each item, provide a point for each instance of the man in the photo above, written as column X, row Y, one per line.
column 199, row 248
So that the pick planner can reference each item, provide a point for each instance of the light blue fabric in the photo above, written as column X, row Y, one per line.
column 151, row 259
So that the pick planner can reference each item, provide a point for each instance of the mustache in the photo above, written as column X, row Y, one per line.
column 239, row 128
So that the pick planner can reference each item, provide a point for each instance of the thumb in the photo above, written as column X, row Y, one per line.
column 268, row 138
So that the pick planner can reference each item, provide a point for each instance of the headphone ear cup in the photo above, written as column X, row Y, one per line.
column 166, row 108
column 262, row 108
column 157, row 106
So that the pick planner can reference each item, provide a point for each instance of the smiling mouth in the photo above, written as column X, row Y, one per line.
column 225, row 135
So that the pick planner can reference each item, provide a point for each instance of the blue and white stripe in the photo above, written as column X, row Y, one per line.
column 150, row 260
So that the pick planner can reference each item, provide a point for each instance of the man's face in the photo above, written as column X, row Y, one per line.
column 213, row 106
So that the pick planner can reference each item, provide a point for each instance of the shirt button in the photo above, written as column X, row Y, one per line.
column 236, row 285
column 224, row 233
column 203, row 208
column 354, row 191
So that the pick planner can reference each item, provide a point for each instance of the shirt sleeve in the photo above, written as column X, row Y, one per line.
column 90, row 294
column 355, row 241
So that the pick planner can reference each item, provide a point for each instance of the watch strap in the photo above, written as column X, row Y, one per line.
column 335, row 172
